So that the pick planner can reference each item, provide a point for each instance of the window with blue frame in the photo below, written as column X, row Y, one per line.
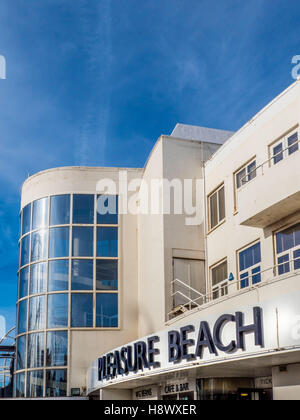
column 288, row 249
column 250, row 266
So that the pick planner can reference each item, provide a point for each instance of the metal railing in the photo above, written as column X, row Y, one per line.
column 253, row 171
column 230, row 287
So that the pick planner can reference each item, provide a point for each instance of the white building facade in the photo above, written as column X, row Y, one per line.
column 191, row 290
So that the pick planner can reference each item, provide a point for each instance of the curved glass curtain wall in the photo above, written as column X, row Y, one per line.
column 68, row 279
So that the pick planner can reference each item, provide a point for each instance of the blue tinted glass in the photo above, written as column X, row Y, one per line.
column 83, row 209
column 35, row 351
column 59, row 242
column 82, row 310
column 60, row 210
column 35, row 384
column 283, row 268
column 37, row 313
column 82, row 275
column 276, row 153
column 83, row 241
column 107, row 310
column 57, row 348
column 288, row 238
column 56, row 383
column 22, row 322
column 107, row 242
column 26, row 220
column 39, row 245
column 20, row 385
column 107, row 209
column 58, row 309
column 250, row 256
column 107, row 274
column 24, row 280
column 25, row 250
column 245, row 282
column 292, row 143
column 256, row 278
column 38, row 278
column 297, row 259
column 40, row 214
column 21, row 343
column 58, row 275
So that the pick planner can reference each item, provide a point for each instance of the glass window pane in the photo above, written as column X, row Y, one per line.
column 82, row 275
column 283, row 264
column 244, row 280
column 56, row 383
column 250, row 256
column 107, row 274
column 296, row 259
column 35, row 352
column 83, row 241
column 59, row 242
column 292, row 143
column 82, row 310
column 107, row 242
column 107, row 310
column 58, row 309
column 241, row 178
column 26, row 220
column 278, row 153
column 83, row 209
column 20, row 385
column 251, row 170
column 107, row 209
column 221, row 195
column 22, row 320
column 219, row 273
column 58, row 276
column 21, row 344
column 40, row 214
column 24, row 280
column 213, row 210
column 25, row 250
column 35, row 384
column 60, row 210
column 37, row 313
column 39, row 245
column 38, row 278
column 57, row 348
column 256, row 278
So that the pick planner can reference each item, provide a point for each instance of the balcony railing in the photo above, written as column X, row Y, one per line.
column 253, row 173
column 228, row 287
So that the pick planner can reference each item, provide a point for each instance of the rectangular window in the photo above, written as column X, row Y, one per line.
column 245, row 174
column 56, row 383
column 35, row 384
column 288, row 249
column 83, row 209
column 250, row 265
column 82, row 274
column 35, row 352
column 82, row 310
column 107, row 310
column 284, row 147
column 219, row 280
column 57, row 348
column 216, row 207
column 58, row 305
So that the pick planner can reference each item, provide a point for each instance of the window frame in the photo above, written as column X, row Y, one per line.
column 289, row 252
column 285, row 146
column 235, row 174
column 220, row 221
column 222, row 287
column 250, row 276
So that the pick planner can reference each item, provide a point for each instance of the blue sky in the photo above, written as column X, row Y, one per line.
column 95, row 82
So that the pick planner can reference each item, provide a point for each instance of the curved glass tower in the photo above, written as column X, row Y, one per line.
column 68, row 280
